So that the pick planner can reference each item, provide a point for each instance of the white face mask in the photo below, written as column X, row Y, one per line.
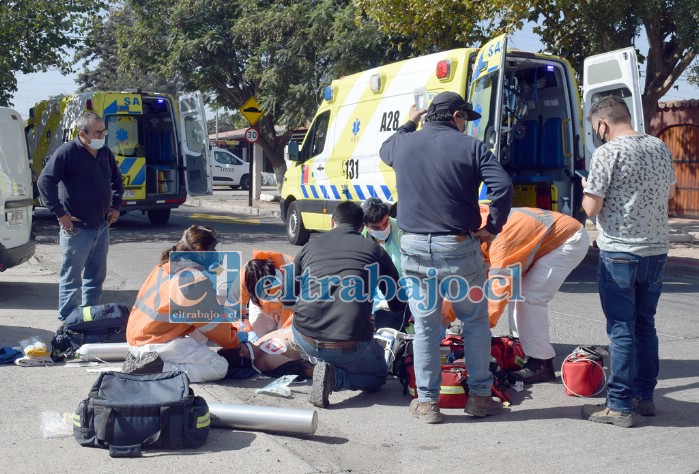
column 381, row 234
column 96, row 143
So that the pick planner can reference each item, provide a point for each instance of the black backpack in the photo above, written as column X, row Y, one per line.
column 126, row 413
column 90, row 325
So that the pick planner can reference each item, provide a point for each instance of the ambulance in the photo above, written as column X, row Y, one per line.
column 160, row 144
column 16, row 240
column 531, row 118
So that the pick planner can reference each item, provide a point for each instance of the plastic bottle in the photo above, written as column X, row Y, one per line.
column 565, row 209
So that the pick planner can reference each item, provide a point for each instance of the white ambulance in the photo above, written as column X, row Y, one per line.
column 16, row 241
column 160, row 144
column 531, row 119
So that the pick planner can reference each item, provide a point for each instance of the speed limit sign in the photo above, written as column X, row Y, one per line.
column 251, row 135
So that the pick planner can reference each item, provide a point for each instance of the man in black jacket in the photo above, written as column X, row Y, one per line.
column 438, row 173
column 336, row 274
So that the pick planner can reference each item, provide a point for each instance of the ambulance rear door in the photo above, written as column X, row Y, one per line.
column 485, row 93
column 612, row 73
column 195, row 145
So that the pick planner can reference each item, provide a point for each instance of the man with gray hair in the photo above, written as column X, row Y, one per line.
column 82, row 185
column 630, row 183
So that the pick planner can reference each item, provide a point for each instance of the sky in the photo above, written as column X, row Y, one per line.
column 33, row 88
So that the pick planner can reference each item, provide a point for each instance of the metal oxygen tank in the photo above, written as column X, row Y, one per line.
column 115, row 351
column 248, row 417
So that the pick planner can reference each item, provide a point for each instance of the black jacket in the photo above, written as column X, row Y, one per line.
column 75, row 182
column 438, row 173
column 339, row 259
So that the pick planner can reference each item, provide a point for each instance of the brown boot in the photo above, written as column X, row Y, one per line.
column 480, row 406
column 426, row 411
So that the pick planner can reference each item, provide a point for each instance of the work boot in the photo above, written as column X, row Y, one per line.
column 323, row 384
column 426, row 411
column 644, row 407
column 602, row 414
column 535, row 371
column 481, row 406
column 149, row 363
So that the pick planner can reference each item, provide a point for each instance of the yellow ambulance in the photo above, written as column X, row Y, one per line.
column 531, row 119
column 160, row 144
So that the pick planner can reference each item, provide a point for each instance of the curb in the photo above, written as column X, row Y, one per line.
column 229, row 206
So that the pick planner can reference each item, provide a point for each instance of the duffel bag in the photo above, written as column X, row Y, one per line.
column 126, row 413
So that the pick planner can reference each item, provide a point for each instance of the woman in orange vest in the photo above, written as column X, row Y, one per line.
column 177, row 312
column 265, row 310
column 546, row 246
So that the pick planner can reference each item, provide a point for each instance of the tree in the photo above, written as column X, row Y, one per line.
column 282, row 52
column 105, row 70
column 37, row 34
column 569, row 28
column 226, row 122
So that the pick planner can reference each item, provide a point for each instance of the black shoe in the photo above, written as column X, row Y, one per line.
column 149, row 363
column 323, row 384
column 535, row 371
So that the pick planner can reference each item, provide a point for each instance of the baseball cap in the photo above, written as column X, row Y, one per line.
column 451, row 102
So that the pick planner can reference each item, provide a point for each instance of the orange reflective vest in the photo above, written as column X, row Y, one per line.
column 271, row 308
column 528, row 234
column 152, row 322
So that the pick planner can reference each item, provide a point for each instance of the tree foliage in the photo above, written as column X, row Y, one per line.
column 283, row 52
column 37, row 34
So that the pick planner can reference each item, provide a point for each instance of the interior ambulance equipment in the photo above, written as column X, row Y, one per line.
column 531, row 120
column 16, row 241
column 160, row 144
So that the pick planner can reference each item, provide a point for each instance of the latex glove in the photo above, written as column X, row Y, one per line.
column 249, row 336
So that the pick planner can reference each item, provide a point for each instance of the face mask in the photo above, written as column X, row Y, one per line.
column 601, row 138
column 96, row 143
column 381, row 234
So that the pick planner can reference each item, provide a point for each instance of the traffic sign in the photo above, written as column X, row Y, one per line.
column 251, row 135
column 251, row 111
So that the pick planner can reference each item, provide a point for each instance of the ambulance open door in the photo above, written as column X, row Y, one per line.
column 612, row 73
column 195, row 145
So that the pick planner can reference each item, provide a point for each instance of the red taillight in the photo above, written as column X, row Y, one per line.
column 443, row 69
column 543, row 196
column 89, row 104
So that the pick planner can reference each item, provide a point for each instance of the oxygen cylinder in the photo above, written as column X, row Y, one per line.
column 115, row 351
column 247, row 417
column 565, row 209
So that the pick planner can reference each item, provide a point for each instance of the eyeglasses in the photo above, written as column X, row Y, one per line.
column 372, row 202
column 98, row 133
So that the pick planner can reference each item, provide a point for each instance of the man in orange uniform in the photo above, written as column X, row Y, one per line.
column 177, row 312
column 544, row 247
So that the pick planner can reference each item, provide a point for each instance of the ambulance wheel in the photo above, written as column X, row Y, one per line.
column 159, row 216
column 245, row 182
column 295, row 231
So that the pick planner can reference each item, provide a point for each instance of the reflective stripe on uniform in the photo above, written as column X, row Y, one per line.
column 87, row 314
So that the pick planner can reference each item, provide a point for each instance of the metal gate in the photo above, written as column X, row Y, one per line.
column 683, row 141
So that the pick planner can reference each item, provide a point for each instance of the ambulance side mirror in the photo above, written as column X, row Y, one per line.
column 292, row 150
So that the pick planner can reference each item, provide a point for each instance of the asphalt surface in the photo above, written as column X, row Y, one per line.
column 361, row 432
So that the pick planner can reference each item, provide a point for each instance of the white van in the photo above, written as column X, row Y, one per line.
column 229, row 169
column 16, row 241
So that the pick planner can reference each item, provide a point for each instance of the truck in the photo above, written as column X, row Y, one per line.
column 531, row 118
column 160, row 143
column 16, row 239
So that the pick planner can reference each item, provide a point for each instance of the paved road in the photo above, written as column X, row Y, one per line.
column 361, row 432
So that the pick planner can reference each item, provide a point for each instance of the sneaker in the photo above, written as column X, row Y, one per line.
column 480, row 406
column 426, row 411
column 644, row 407
column 323, row 384
column 602, row 414
column 535, row 371
column 149, row 363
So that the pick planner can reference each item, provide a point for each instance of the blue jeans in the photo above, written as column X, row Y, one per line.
column 629, row 288
column 440, row 257
column 359, row 368
column 83, row 266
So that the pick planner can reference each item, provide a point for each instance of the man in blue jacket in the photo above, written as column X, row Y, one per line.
column 438, row 173
column 82, row 185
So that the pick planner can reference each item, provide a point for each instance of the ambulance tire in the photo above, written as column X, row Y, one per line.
column 295, row 231
column 159, row 216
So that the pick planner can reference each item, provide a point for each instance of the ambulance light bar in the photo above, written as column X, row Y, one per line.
column 328, row 94
column 443, row 69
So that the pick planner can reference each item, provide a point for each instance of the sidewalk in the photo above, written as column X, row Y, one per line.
column 684, row 233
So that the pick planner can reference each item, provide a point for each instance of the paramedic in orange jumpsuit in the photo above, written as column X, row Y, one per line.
column 167, row 295
column 547, row 246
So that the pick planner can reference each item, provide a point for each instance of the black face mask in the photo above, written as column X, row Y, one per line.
column 601, row 138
